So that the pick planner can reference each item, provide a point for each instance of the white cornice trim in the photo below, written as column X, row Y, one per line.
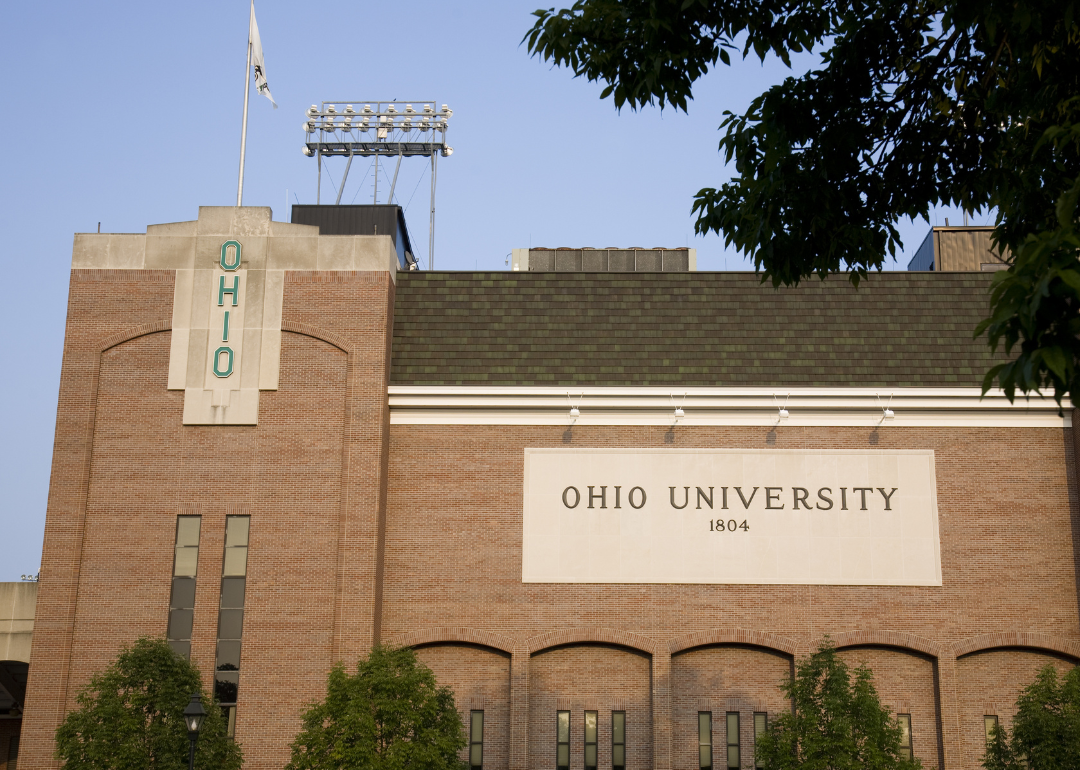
column 811, row 407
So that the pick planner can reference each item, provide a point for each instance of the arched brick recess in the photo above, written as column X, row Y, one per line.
column 591, row 636
column 732, row 636
column 161, row 325
column 603, row 676
column 1034, row 640
column 455, row 636
column 907, row 682
column 725, row 671
column 314, row 331
column 899, row 639
column 989, row 681
column 479, row 677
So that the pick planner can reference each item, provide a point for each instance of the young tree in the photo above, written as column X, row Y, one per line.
column 389, row 715
column 915, row 103
column 1046, row 729
column 838, row 722
column 131, row 717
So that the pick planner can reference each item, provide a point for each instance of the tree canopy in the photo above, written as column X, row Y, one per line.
column 916, row 103
column 131, row 717
column 838, row 722
column 1046, row 729
column 389, row 715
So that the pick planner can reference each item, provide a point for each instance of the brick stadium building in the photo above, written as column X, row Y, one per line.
column 277, row 449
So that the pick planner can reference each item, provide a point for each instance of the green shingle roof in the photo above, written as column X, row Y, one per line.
column 897, row 329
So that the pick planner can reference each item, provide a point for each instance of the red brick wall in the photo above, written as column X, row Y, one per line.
column 480, row 679
column 362, row 531
column 310, row 475
column 720, row 679
column 581, row 678
column 1005, row 497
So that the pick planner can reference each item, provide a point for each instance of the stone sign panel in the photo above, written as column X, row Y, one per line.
column 811, row 517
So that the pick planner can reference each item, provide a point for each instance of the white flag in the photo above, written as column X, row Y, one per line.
column 257, row 58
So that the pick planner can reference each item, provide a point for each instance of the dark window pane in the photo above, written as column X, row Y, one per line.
column 590, row 727
column 228, row 655
column 225, row 686
column 590, row 755
column 705, row 758
column 181, row 648
column 183, row 593
column 180, row 623
column 476, row 755
column 563, row 759
column 618, row 727
column 232, row 592
column 564, row 727
column 618, row 755
column 230, row 624
column 230, row 720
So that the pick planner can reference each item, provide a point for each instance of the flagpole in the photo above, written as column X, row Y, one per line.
column 243, row 131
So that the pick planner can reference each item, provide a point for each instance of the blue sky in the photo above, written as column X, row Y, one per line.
column 128, row 114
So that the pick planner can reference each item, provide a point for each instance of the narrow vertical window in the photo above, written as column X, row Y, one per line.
column 905, row 735
column 182, row 598
column 704, row 739
column 618, row 740
column 13, row 753
column 590, row 740
column 476, row 739
column 761, row 724
column 733, row 757
column 231, row 617
column 562, row 740
column 989, row 723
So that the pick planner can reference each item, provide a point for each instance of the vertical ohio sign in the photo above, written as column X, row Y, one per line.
column 229, row 310
column 226, row 332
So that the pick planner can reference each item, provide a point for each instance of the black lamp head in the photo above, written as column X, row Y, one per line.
column 194, row 714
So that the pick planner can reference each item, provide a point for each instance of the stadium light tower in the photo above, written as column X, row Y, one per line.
column 379, row 129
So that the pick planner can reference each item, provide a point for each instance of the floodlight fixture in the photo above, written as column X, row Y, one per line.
column 393, row 138
column 784, row 413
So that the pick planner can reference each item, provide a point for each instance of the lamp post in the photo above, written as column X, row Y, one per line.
column 194, row 715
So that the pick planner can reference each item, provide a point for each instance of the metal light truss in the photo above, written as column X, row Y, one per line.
column 379, row 129
column 405, row 129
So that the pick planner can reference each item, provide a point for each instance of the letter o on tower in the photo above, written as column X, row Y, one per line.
column 630, row 498
column 577, row 497
column 235, row 263
column 227, row 352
